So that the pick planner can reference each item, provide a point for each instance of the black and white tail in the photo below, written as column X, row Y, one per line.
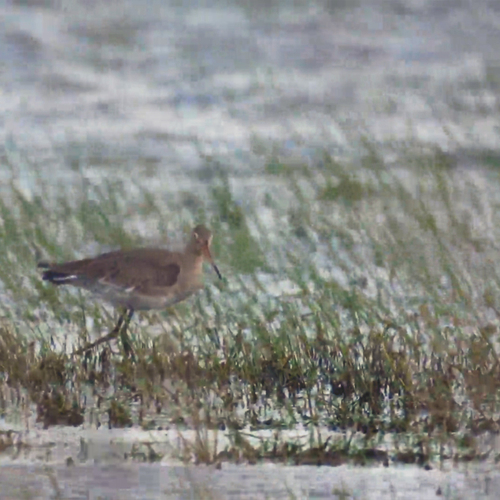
column 56, row 277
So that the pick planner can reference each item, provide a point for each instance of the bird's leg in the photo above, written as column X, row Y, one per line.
column 127, row 346
column 126, row 316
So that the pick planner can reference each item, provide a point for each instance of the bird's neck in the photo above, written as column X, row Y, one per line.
column 193, row 250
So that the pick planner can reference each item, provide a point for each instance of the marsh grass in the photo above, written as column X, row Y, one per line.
column 381, row 341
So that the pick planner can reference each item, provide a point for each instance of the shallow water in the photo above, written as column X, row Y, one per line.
column 108, row 87
column 82, row 463
column 145, row 482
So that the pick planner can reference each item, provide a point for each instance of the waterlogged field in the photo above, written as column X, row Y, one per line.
column 357, row 320
column 345, row 155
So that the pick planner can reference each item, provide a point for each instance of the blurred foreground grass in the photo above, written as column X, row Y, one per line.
column 358, row 297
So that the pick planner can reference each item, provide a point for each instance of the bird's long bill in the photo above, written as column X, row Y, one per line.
column 208, row 256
